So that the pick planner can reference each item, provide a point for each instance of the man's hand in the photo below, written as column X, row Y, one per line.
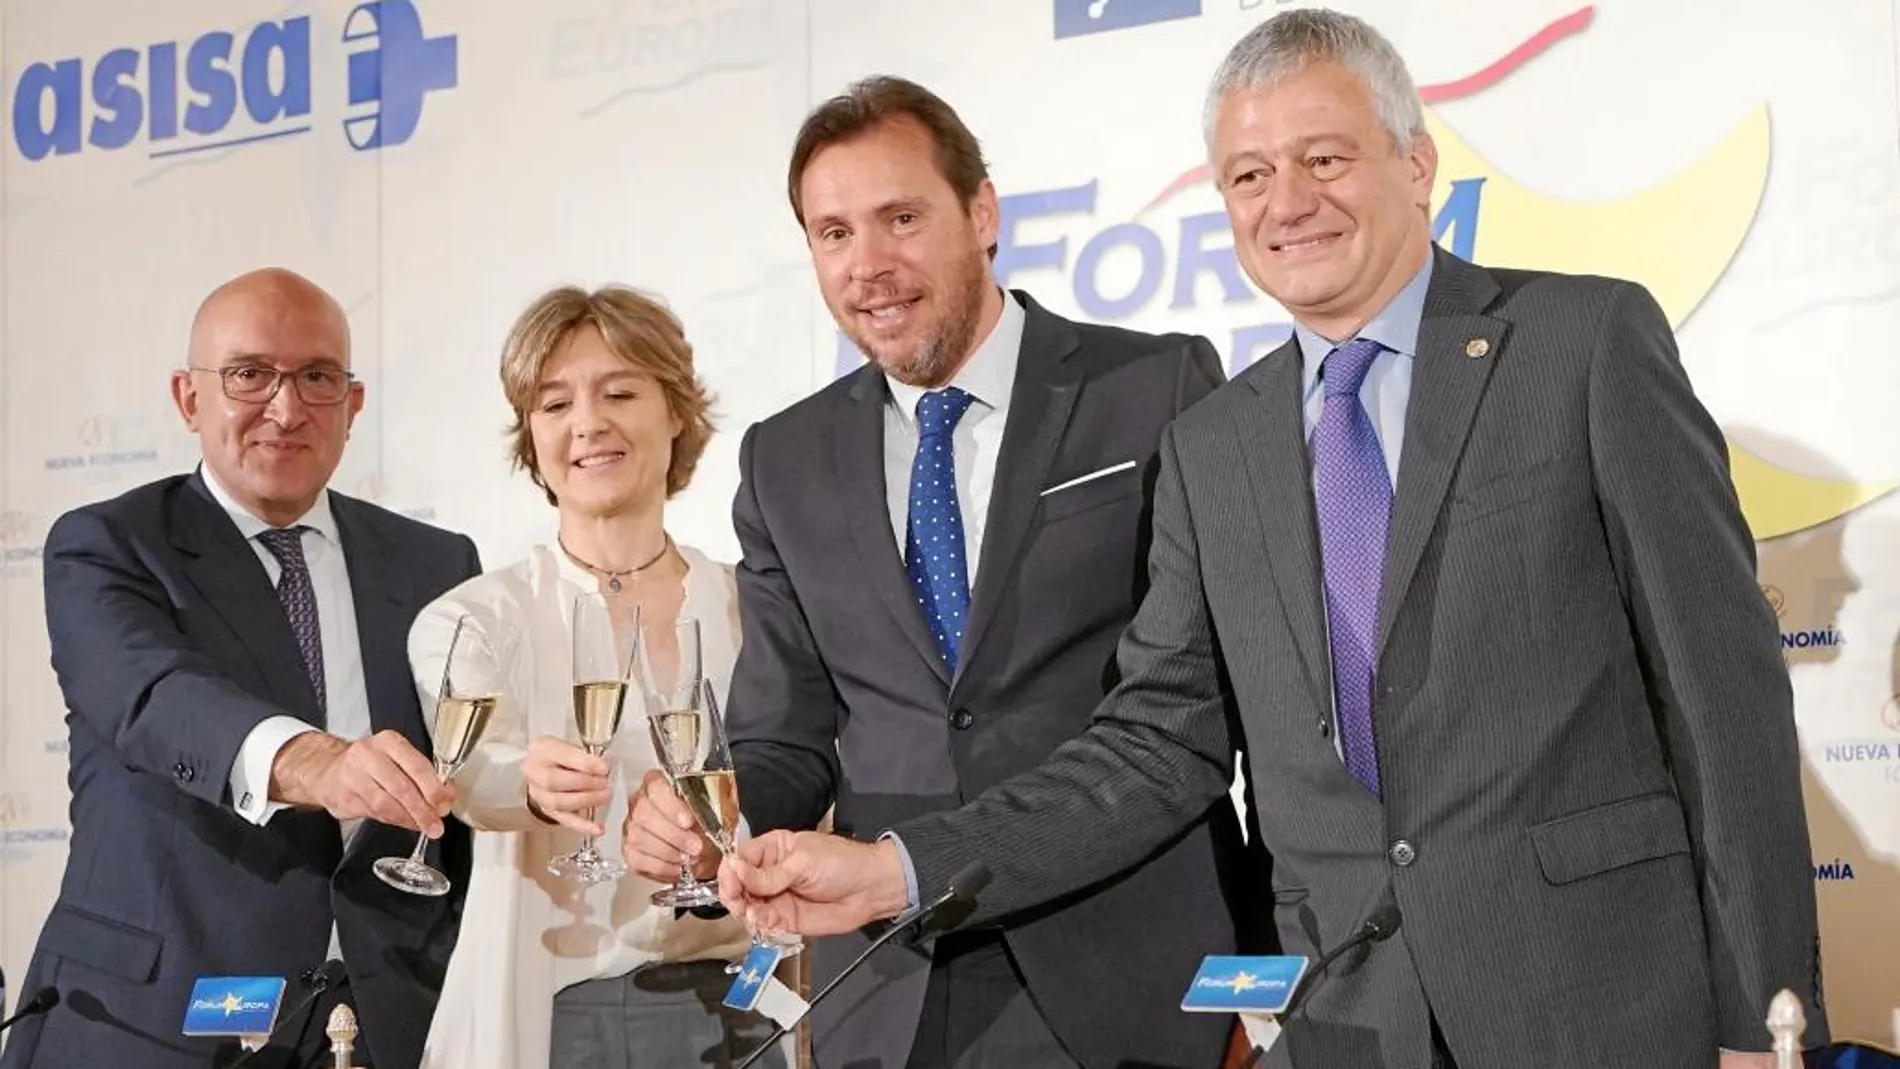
column 1730, row 1060
column 812, row 884
column 566, row 784
column 380, row 777
column 660, row 834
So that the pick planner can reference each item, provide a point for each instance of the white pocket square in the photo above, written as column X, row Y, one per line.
column 1089, row 478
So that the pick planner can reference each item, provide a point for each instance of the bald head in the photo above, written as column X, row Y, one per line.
column 274, row 295
column 268, row 392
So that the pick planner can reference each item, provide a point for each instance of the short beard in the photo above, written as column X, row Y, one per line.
column 940, row 354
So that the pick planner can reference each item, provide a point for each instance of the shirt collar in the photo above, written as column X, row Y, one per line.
column 318, row 519
column 1395, row 327
column 990, row 373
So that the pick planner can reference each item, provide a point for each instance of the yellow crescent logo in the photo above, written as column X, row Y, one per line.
column 1676, row 238
column 1779, row 501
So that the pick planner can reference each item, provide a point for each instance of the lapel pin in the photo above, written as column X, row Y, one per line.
column 1477, row 347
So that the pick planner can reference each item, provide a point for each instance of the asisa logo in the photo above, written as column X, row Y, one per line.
column 225, row 88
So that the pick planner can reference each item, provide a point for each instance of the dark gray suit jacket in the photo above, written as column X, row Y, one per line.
column 1592, row 822
column 170, row 646
column 839, row 695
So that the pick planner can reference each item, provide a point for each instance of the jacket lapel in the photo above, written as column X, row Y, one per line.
column 385, row 607
column 225, row 569
column 1039, row 405
column 1457, row 348
column 858, row 455
column 1272, row 439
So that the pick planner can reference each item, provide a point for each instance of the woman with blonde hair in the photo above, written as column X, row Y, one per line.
column 549, row 970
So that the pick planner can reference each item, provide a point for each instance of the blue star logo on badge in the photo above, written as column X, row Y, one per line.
column 1249, row 983
column 755, row 971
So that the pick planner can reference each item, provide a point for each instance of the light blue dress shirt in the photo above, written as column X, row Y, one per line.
column 1388, row 385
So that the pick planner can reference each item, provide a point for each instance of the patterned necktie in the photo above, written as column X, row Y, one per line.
column 933, row 539
column 300, row 600
column 1353, row 497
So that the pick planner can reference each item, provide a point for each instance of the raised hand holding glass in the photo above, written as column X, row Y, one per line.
column 471, row 685
column 604, row 635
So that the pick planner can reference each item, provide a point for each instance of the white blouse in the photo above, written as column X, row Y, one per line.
column 526, row 934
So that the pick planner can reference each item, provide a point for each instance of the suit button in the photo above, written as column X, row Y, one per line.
column 1402, row 853
column 961, row 720
column 184, row 772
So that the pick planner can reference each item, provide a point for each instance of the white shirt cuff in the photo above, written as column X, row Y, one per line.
column 250, row 773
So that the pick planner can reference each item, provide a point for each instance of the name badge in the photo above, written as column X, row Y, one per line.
column 1230, row 984
column 233, row 1005
column 754, row 971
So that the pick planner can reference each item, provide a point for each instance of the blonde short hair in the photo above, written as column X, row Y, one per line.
column 639, row 329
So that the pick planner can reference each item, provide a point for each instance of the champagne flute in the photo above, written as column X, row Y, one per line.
column 712, row 794
column 471, row 684
column 603, row 663
column 672, row 671
column 711, row 791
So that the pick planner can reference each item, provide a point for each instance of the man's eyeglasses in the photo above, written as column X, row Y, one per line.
column 318, row 384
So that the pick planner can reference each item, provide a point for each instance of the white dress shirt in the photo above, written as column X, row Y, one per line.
column 527, row 934
column 989, row 376
column 346, row 696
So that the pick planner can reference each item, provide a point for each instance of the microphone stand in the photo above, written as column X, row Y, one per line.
column 1379, row 926
column 321, row 979
column 964, row 887
column 42, row 1001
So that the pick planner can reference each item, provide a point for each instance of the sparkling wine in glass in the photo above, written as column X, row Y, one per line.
column 672, row 671
column 712, row 794
column 471, row 686
column 604, row 635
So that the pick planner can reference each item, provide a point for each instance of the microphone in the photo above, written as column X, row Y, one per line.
column 321, row 979
column 43, row 1000
column 1384, row 921
column 962, row 891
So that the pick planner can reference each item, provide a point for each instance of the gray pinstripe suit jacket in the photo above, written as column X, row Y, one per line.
column 1585, row 727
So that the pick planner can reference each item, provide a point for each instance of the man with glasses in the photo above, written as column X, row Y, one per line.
column 245, row 737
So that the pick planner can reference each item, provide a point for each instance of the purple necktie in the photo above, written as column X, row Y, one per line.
column 1353, row 497
column 299, row 596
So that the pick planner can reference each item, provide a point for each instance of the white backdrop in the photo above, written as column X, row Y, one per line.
column 1742, row 159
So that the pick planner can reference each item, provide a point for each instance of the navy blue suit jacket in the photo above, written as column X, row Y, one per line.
column 170, row 646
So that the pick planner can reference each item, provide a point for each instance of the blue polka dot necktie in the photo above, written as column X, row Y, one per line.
column 299, row 599
column 1352, row 495
column 933, row 539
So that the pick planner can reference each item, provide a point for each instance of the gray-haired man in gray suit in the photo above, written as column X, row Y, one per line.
column 1465, row 556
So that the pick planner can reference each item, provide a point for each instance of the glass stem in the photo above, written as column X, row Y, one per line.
column 443, row 772
column 593, row 812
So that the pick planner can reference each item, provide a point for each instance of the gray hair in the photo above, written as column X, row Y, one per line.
column 1291, row 41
